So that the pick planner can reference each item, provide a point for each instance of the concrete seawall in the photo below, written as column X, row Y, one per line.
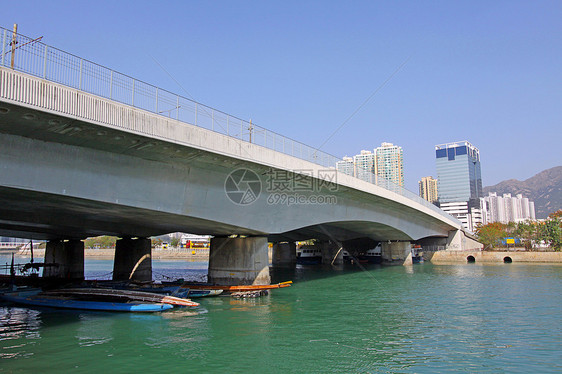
column 108, row 254
column 447, row 257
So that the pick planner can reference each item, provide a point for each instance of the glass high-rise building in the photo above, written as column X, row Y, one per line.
column 459, row 181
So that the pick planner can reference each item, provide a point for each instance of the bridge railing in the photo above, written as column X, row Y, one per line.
column 33, row 57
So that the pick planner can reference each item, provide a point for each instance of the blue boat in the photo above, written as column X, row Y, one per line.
column 34, row 297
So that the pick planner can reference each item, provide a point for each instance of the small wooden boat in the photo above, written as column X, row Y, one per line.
column 35, row 297
column 242, row 288
column 126, row 295
column 170, row 289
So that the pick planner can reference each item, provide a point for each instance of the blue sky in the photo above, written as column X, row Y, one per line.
column 486, row 72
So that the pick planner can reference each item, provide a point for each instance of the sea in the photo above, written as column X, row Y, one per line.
column 425, row 318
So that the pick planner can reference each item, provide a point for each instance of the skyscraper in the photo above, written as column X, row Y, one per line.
column 389, row 163
column 428, row 189
column 365, row 166
column 459, row 181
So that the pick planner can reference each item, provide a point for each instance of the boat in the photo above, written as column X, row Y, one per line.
column 35, row 297
column 175, row 290
column 372, row 256
column 123, row 294
column 309, row 256
column 417, row 254
column 241, row 288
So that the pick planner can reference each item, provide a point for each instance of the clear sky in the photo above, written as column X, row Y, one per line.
column 489, row 72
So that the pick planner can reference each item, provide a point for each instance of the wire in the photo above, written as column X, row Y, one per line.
column 366, row 101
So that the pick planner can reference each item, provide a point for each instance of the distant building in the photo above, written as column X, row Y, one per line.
column 506, row 208
column 428, row 189
column 365, row 166
column 384, row 165
column 346, row 166
column 459, row 181
column 389, row 163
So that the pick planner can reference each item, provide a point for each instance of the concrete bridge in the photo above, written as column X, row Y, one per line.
column 87, row 151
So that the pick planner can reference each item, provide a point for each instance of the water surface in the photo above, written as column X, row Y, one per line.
column 418, row 319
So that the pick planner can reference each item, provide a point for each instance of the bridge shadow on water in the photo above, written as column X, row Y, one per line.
column 305, row 273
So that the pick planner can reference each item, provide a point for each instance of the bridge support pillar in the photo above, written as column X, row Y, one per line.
column 398, row 253
column 284, row 254
column 133, row 260
column 239, row 261
column 331, row 253
column 68, row 255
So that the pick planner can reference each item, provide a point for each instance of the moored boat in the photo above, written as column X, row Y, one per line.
column 372, row 256
column 35, row 297
column 122, row 294
column 417, row 254
column 241, row 288
column 309, row 256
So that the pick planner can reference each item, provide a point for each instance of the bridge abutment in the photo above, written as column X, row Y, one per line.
column 284, row 254
column 239, row 261
column 396, row 253
column 69, row 257
column 133, row 260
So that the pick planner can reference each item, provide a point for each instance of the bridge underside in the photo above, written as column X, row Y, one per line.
column 36, row 215
column 69, row 178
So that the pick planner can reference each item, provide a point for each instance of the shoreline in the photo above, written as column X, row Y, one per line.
column 439, row 257
column 109, row 254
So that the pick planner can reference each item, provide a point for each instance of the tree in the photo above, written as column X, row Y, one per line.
column 527, row 233
column 552, row 230
column 491, row 234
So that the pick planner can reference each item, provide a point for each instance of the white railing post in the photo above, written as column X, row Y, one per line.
column 111, row 85
column 133, row 94
column 156, row 100
column 80, row 80
column 195, row 114
column 45, row 62
column 178, row 107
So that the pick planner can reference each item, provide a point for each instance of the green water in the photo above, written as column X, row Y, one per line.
column 420, row 319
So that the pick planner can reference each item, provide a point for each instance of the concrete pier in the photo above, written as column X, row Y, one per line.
column 69, row 257
column 239, row 261
column 331, row 253
column 396, row 253
column 284, row 254
column 133, row 260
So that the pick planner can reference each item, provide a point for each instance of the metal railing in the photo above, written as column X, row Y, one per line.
column 35, row 58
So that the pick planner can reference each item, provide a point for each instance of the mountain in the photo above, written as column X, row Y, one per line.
column 545, row 189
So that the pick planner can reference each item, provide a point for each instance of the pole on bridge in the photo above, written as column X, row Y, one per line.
column 14, row 33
